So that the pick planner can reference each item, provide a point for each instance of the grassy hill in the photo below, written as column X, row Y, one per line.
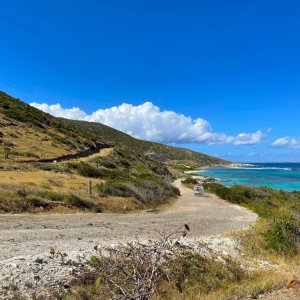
column 162, row 152
column 46, row 164
column 27, row 133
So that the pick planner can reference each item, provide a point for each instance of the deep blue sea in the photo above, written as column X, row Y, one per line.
column 280, row 176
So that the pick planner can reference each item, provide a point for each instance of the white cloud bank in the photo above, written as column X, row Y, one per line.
column 148, row 122
column 287, row 142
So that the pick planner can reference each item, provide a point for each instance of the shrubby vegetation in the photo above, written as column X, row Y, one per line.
column 279, row 210
column 162, row 269
column 22, row 198
column 189, row 181
column 128, row 174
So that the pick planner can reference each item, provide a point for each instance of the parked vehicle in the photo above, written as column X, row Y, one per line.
column 198, row 190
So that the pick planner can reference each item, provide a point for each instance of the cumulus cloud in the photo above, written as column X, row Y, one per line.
column 147, row 121
column 247, row 138
column 287, row 142
column 56, row 110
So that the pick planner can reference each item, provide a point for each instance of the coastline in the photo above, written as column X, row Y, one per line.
column 271, row 175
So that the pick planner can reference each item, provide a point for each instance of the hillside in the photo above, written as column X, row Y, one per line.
column 46, row 164
column 155, row 150
column 27, row 133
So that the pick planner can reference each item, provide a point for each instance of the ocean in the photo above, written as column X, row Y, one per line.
column 279, row 176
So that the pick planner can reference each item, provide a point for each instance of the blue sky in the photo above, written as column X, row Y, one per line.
column 197, row 74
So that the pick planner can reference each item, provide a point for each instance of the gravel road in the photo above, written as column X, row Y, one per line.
column 25, row 240
column 22, row 235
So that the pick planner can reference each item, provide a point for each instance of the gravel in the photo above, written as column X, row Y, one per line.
column 26, row 240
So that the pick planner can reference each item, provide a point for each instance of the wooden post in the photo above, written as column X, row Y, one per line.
column 90, row 188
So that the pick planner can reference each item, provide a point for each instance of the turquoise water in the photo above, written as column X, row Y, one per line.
column 280, row 176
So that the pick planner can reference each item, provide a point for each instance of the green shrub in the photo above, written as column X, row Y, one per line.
column 115, row 188
column 147, row 192
column 194, row 270
column 36, row 201
column 189, row 180
column 282, row 236
column 76, row 201
column 47, row 166
column 280, row 209
column 107, row 164
column 53, row 196
column 87, row 170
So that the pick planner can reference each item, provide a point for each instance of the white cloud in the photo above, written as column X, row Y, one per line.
column 287, row 142
column 147, row 121
column 56, row 110
column 247, row 138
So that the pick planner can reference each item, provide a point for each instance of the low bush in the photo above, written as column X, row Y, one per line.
column 158, row 269
column 189, row 181
column 87, row 170
column 115, row 188
column 76, row 201
column 283, row 236
column 37, row 201
column 52, row 196
column 47, row 166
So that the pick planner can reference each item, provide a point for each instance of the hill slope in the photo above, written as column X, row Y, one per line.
column 123, row 175
column 158, row 151
column 27, row 133
column 30, row 134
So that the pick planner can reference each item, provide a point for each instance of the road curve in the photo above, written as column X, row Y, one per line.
column 34, row 234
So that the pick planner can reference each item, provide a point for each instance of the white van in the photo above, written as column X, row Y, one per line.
column 198, row 190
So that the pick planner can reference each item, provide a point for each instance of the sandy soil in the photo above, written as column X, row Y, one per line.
column 34, row 234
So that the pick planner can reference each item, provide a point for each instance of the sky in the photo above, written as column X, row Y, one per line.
column 219, row 77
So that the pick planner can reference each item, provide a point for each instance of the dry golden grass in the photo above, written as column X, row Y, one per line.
column 28, row 139
column 65, row 184
column 59, row 182
column 117, row 204
column 259, row 283
column 31, row 139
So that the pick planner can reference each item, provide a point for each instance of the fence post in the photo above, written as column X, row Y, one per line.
column 90, row 188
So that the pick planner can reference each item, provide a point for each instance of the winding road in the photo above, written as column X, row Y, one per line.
column 34, row 234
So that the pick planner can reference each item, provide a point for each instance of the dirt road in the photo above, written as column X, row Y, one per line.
column 22, row 235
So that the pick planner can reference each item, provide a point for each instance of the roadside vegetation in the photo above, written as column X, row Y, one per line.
column 189, row 181
column 278, row 230
column 129, row 174
column 121, row 180
column 163, row 268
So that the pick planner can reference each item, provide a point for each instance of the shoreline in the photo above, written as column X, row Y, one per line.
column 201, row 169
column 231, row 180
